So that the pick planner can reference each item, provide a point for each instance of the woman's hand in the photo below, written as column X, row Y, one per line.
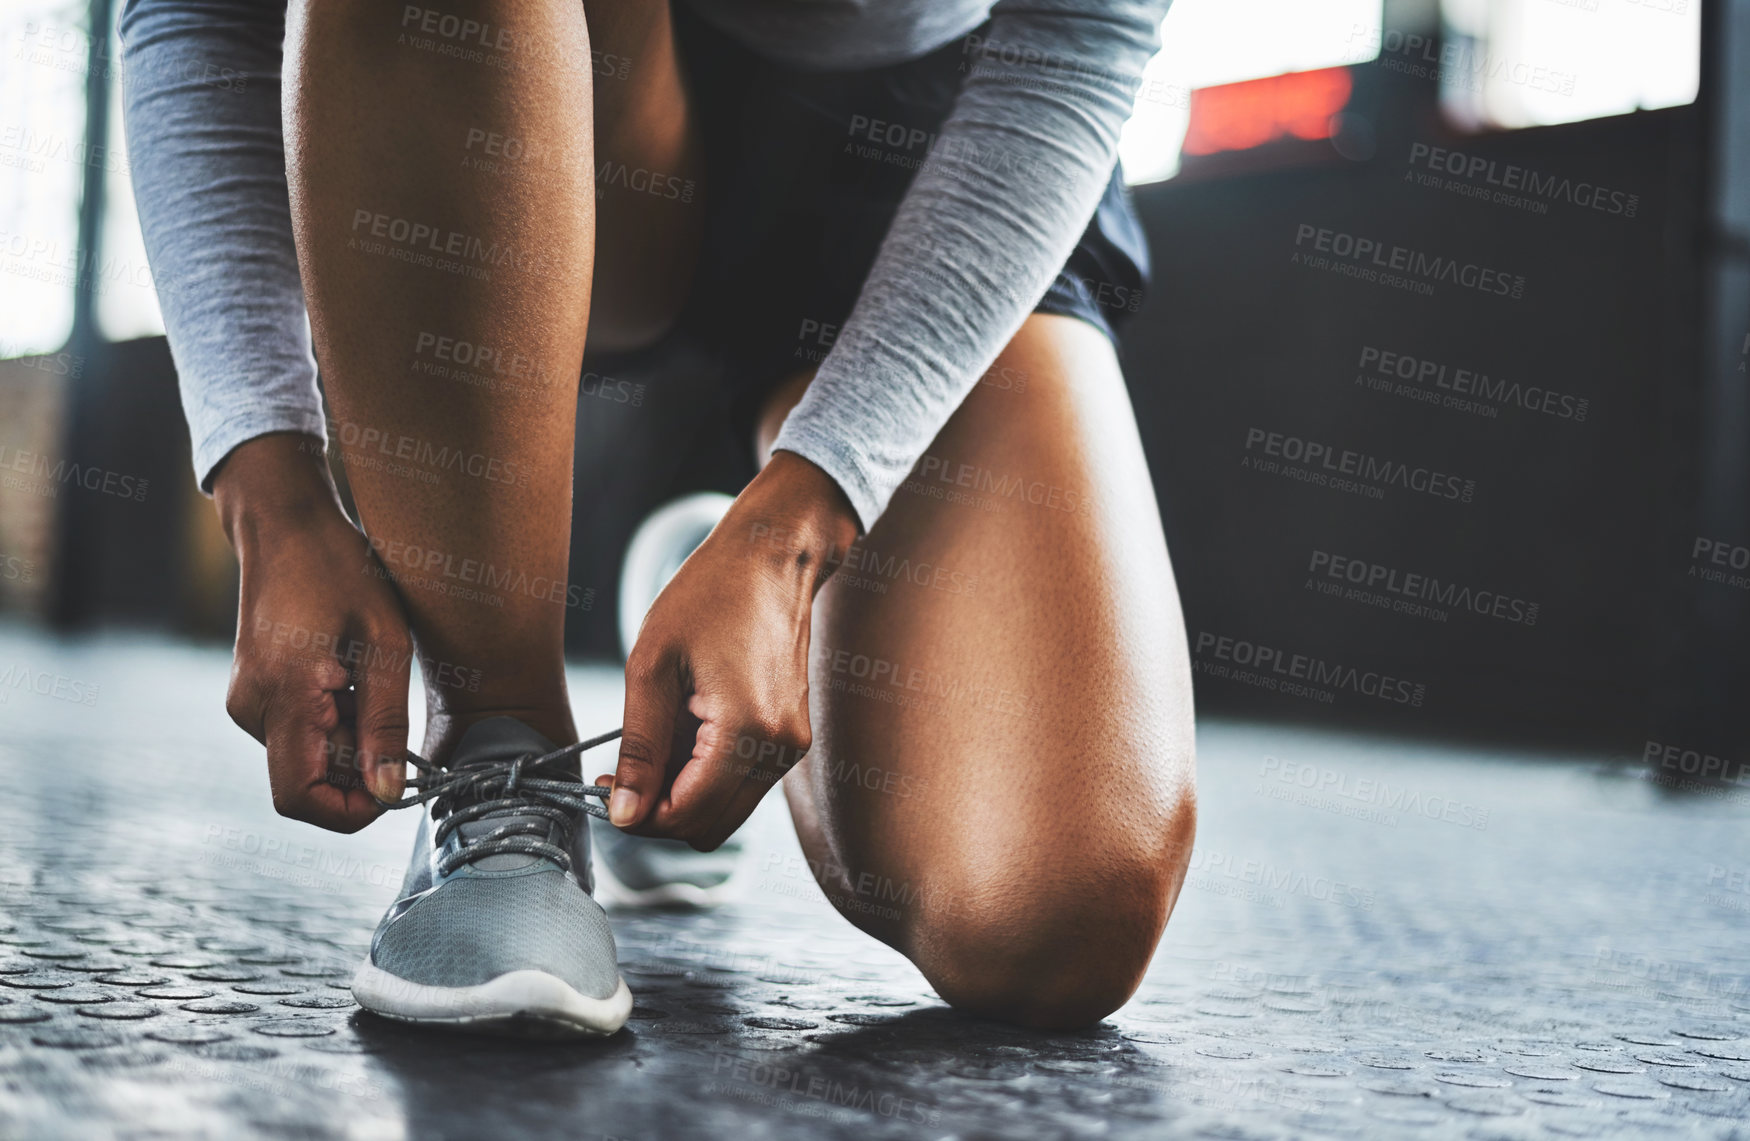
column 717, row 686
column 323, row 651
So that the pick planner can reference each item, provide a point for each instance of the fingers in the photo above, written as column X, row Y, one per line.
column 653, row 702
column 728, row 775
column 312, row 751
column 705, row 788
column 381, row 694
column 702, row 790
column 246, row 698
column 257, row 682
column 764, row 764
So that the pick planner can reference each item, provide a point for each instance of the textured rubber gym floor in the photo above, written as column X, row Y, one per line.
column 1378, row 938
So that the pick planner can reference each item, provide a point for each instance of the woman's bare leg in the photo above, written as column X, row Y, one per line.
column 1001, row 783
column 442, row 168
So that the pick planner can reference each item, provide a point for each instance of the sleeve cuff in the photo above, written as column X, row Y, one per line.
column 840, row 461
column 219, row 443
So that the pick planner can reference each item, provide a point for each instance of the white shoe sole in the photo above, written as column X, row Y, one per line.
column 611, row 892
column 525, row 1003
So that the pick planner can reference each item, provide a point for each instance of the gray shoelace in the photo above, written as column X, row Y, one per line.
column 531, row 793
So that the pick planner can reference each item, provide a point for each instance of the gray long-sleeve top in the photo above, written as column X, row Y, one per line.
column 989, row 219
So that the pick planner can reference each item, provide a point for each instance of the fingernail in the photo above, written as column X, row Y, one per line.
column 622, row 807
column 387, row 780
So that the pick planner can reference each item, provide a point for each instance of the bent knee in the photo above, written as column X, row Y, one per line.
column 1053, row 966
column 1059, row 953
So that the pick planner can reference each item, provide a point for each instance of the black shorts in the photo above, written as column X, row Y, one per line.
column 799, row 197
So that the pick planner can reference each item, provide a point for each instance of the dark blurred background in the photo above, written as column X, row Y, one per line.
column 1501, row 244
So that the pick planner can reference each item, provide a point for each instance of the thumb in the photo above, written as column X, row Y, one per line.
column 653, row 698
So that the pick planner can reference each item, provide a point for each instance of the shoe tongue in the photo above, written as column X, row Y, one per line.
column 501, row 739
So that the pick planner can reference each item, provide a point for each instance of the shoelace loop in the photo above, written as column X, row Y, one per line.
column 532, row 792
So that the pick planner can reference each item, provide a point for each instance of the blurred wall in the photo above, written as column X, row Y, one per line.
column 1527, row 587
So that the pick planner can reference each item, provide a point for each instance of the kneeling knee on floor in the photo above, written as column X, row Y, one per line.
column 1053, row 963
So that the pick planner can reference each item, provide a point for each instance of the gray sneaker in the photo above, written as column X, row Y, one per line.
column 494, row 928
column 639, row 871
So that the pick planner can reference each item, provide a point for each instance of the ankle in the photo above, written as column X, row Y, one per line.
column 449, row 719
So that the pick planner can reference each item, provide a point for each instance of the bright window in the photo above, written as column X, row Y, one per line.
column 1528, row 63
column 43, row 59
column 127, row 305
column 1205, row 43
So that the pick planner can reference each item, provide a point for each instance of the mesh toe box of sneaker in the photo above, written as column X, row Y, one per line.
column 472, row 929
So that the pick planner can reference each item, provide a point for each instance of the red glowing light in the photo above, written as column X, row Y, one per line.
column 1239, row 116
